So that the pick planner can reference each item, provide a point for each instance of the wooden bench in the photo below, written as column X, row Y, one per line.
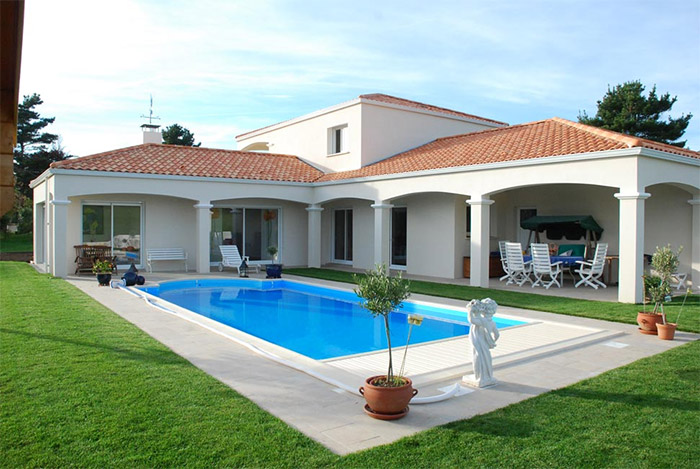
column 165, row 254
column 86, row 255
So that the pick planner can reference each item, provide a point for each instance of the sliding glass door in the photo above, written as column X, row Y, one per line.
column 252, row 230
column 342, row 235
column 116, row 225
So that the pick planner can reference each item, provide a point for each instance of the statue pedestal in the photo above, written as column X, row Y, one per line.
column 470, row 380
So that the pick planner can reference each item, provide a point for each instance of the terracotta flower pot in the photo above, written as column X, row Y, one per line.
column 387, row 401
column 648, row 322
column 666, row 331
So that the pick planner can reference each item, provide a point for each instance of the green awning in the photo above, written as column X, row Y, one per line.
column 562, row 223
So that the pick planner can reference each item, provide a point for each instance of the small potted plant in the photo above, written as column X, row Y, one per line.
column 273, row 270
column 387, row 395
column 103, row 268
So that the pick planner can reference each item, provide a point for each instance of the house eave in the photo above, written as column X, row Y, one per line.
column 41, row 178
column 626, row 152
column 79, row 172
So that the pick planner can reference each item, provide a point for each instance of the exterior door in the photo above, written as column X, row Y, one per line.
column 342, row 235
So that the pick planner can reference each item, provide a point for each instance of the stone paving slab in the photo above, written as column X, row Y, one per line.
column 335, row 418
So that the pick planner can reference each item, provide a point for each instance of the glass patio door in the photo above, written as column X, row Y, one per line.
column 252, row 230
column 342, row 235
column 116, row 225
column 398, row 237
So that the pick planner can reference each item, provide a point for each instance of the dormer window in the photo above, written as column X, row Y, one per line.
column 338, row 139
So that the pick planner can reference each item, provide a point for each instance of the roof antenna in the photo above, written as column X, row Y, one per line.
column 151, row 131
column 150, row 115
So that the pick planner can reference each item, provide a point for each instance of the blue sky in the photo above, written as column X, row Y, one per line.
column 221, row 68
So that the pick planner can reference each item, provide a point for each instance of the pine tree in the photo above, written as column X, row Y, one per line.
column 36, row 149
column 178, row 135
column 625, row 109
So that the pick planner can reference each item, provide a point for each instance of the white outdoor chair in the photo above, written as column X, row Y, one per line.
column 504, row 259
column 230, row 257
column 518, row 270
column 542, row 267
column 591, row 272
column 679, row 277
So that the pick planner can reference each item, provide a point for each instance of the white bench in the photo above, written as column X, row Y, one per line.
column 165, row 254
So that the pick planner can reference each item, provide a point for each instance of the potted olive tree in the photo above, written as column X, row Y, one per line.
column 665, row 263
column 273, row 270
column 387, row 395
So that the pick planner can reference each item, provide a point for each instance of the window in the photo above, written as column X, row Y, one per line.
column 116, row 225
column 338, row 139
column 469, row 221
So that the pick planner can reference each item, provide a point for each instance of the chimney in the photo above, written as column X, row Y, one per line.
column 151, row 133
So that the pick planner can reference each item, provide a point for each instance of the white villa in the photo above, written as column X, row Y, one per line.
column 377, row 179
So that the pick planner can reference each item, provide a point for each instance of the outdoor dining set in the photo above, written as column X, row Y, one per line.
column 541, row 268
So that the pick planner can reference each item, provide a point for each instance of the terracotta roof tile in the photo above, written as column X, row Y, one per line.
column 194, row 161
column 384, row 98
column 552, row 137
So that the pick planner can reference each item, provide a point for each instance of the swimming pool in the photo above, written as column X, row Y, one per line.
column 315, row 321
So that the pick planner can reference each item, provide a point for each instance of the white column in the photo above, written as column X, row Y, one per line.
column 382, row 229
column 59, row 265
column 695, row 241
column 39, row 234
column 480, row 235
column 631, row 285
column 314, row 235
column 203, row 236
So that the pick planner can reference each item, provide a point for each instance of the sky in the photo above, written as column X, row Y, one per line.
column 223, row 67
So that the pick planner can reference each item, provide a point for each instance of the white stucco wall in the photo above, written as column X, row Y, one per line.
column 308, row 138
column 375, row 132
column 387, row 131
column 362, row 232
column 668, row 220
column 430, row 234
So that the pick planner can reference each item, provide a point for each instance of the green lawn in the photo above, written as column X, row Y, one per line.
column 16, row 242
column 609, row 311
column 81, row 387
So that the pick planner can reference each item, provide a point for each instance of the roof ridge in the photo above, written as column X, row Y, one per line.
column 427, row 106
column 629, row 140
column 500, row 129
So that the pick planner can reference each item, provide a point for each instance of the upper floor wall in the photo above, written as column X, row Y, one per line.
column 360, row 132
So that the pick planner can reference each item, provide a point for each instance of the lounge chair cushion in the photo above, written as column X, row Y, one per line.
column 575, row 249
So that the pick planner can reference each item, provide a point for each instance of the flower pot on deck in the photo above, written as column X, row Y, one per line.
column 273, row 270
column 666, row 331
column 104, row 279
column 648, row 322
column 386, row 402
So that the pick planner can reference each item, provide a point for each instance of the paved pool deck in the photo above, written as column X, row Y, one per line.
column 335, row 418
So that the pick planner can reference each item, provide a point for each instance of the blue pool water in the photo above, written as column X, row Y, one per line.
column 314, row 321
